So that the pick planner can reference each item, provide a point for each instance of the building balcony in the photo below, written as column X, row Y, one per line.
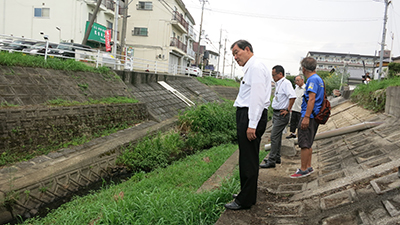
column 191, row 54
column 178, row 44
column 94, row 3
column 191, row 33
column 179, row 22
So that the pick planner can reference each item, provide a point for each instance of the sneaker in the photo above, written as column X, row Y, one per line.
column 300, row 173
column 310, row 170
column 278, row 161
column 291, row 136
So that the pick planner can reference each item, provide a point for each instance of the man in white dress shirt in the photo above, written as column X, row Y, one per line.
column 251, row 119
column 296, row 109
column 281, row 104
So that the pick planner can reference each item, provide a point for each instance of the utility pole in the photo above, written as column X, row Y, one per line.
column 201, row 27
column 391, row 49
column 124, row 22
column 114, row 50
column 219, row 50
column 387, row 2
column 96, row 10
column 223, row 63
column 232, row 66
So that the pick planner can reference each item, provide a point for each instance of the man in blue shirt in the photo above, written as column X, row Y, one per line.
column 312, row 102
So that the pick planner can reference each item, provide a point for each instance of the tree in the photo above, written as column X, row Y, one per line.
column 333, row 80
column 394, row 69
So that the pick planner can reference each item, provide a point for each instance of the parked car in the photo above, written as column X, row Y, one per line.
column 5, row 42
column 68, row 49
column 18, row 45
column 39, row 48
column 193, row 71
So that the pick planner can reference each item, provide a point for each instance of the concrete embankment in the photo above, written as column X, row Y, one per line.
column 27, row 186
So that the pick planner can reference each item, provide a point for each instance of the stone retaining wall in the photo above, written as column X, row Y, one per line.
column 25, row 129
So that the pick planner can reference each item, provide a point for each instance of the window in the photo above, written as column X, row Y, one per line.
column 42, row 12
column 110, row 27
column 90, row 17
column 139, row 31
column 145, row 6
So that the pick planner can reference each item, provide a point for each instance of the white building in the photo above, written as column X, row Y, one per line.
column 64, row 20
column 356, row 64
column 162, row 31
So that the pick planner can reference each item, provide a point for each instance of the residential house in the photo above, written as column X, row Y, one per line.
column 210, row 60
column 162, row 33
column 64, row 21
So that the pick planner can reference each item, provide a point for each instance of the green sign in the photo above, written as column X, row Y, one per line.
column 97, row 32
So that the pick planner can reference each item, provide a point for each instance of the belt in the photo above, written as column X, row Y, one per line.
column 278, row 110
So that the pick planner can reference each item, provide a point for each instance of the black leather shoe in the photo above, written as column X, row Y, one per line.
column 234, row 206
column 267, row 165
column 291, row 136
column 234, row 195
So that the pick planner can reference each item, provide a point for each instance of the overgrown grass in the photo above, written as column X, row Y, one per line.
column 211, row 81
column 200, row 127
column 373, row 95
column 20, row 59
column 164, row 196
column 167, row 194
column 208, row 125
column 108, row 100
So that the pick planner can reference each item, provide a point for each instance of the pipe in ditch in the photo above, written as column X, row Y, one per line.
column 340, row 131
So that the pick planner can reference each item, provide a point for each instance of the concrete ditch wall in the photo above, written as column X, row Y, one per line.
column 31, row 86
column 161, row 103
column 392, row 105
column 33, row 184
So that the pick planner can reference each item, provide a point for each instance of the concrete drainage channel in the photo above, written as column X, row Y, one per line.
column 49, row 181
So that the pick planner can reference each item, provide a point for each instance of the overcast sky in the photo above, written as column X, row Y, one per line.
column 283, row 31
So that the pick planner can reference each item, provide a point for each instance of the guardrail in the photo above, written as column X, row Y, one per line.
column 95, row 57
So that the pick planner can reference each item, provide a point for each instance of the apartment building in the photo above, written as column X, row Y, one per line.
column 60, row 20
column 162, row 31
column 355, row 64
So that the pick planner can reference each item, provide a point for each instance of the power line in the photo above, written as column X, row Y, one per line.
column 276, row 17
column 293, row 18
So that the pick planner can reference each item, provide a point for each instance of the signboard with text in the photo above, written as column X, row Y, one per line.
column 97, row 33
column 108, row 38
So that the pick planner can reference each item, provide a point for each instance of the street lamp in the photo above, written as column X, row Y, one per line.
column 59, row 29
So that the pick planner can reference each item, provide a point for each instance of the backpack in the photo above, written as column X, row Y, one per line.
column 325, row 111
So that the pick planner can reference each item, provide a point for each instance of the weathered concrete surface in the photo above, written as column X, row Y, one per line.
column 355, row 179
column 32, row 184
column 53, row 176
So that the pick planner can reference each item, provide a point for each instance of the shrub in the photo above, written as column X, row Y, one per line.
column 373, row 95
column 199, row 127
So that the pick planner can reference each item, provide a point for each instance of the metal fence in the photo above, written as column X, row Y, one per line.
column 93, row 57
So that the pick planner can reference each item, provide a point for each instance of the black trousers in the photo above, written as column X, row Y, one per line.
column 294, row 121
column 248, row 156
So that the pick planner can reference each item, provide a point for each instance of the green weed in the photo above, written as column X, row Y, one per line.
column 19, row 59
column 372, row 96
column 211, row 81
column 164, row 196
